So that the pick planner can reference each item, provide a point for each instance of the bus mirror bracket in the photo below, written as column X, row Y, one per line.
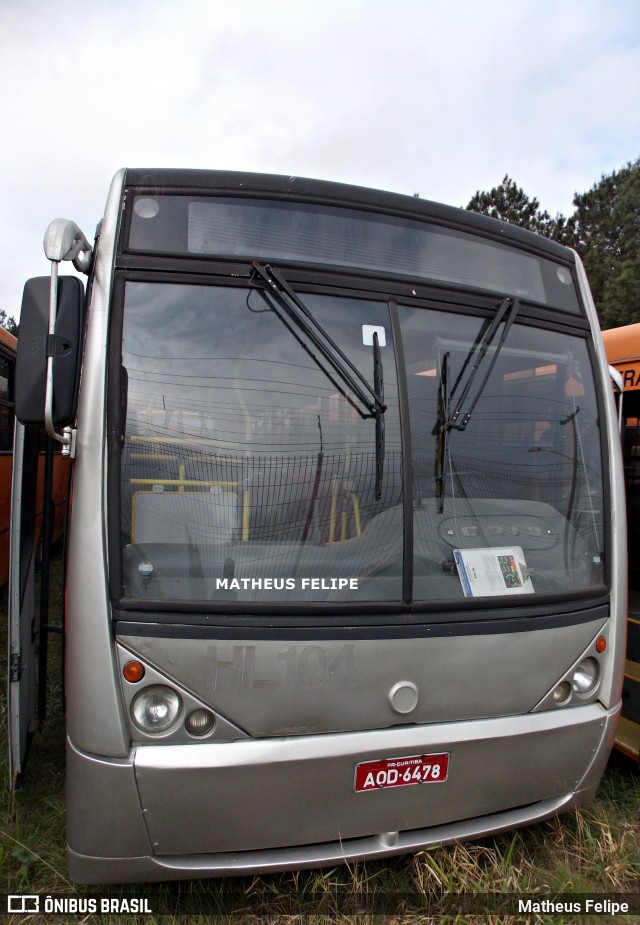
column 69, row 442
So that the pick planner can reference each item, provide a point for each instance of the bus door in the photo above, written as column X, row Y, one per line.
column 22, row 699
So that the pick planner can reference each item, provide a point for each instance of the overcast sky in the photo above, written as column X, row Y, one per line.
column 429, row 96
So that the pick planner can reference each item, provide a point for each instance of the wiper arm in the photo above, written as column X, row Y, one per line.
column 279, row 288
column 507, row 312
column 378, row 384
column 371, row 398
column 441, row 429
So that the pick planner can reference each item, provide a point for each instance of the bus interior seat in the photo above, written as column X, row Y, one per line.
column 187, row 517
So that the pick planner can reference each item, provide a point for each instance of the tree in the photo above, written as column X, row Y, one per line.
column 605, row 230
column 510, row 203
column 8, row 322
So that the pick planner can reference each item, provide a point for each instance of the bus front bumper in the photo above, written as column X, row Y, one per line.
column 261, row 805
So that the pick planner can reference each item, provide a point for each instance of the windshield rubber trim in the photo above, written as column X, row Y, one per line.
column 296, row 609
column 311, row 628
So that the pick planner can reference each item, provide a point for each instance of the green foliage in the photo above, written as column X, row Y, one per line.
column 8, row 322
column 510, row 203
column 604, row 229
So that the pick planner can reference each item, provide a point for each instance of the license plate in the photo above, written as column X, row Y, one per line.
column 401, row 772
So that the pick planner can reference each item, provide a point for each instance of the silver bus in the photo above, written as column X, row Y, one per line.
column 346, row 557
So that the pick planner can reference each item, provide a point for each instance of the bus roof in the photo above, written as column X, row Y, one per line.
column 328, row 192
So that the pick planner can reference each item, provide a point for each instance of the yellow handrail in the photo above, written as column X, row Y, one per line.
column 347, row 496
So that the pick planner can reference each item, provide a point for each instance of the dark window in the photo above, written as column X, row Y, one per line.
column 293, row 232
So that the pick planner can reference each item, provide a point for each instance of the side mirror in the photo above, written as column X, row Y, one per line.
column 35, row 345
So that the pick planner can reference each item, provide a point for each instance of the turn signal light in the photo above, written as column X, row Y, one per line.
column 133, row 672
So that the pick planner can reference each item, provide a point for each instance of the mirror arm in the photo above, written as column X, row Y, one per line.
column 82, row 262
column 65, row 440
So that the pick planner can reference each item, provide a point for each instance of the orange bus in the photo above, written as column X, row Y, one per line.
column 623, row 352
column 8, row 347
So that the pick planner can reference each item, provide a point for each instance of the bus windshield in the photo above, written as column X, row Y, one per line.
column 248, row 471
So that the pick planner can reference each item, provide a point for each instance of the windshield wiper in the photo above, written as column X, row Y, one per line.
column 507, row 311
column 372, row 399
column 378, row 384
column 441, row 429
column 305, row 321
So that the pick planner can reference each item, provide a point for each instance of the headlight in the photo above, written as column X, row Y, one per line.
column 585, row 677
column 562, row 693
column 200, row 722
column 155, row 708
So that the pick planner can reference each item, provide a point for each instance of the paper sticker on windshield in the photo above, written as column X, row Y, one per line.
column 489, row 572
column 368, row 330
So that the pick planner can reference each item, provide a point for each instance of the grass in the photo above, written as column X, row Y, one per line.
column 592, row 850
